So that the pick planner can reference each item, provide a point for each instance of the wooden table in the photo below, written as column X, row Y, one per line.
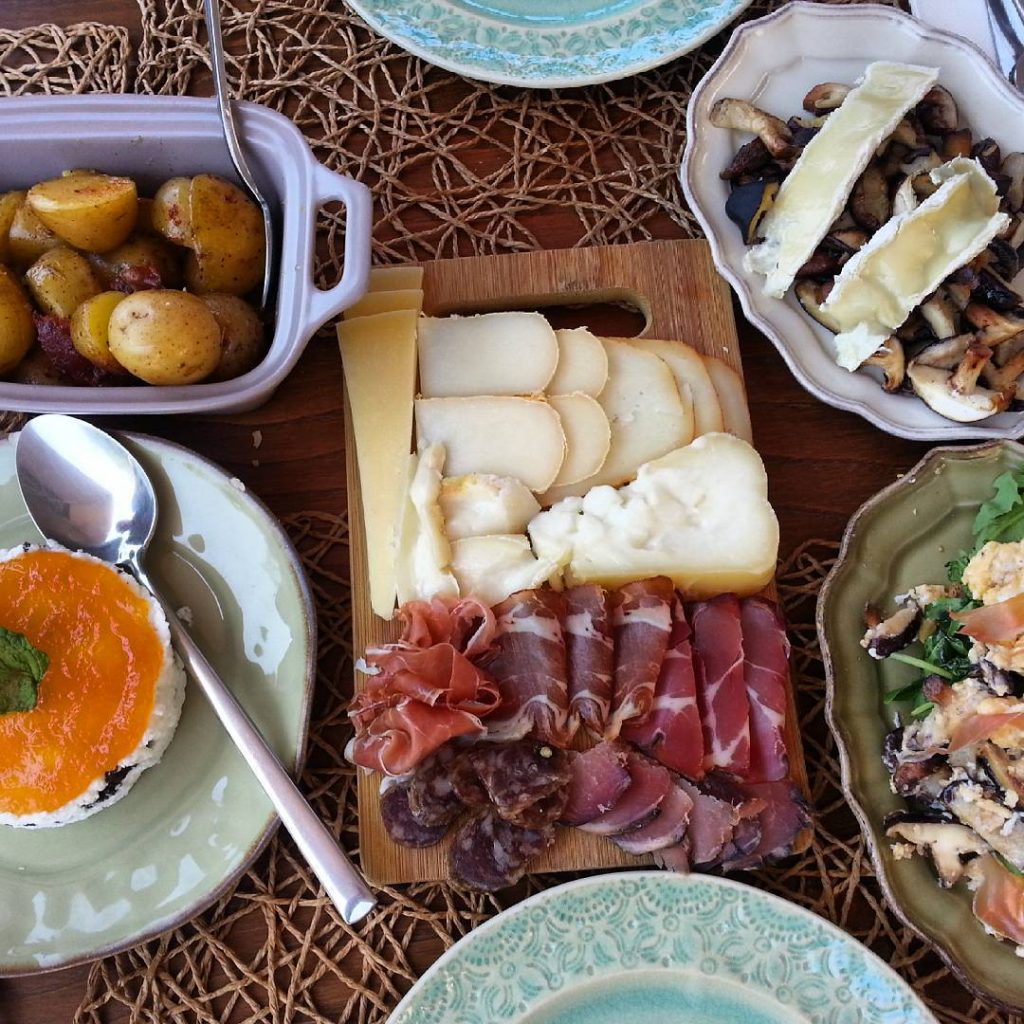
column 821, row 463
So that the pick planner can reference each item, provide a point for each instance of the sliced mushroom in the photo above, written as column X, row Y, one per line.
column 1013, row 167
column 981, row 807
column 914, row 329
column 1001, row 771
column 945, row 354
column 1004, row 374
column 922, row 781
column 893, row 361
column 869, row 202
column 937, row 111
column 747, row 205
column 935, row 387
column 751, row 157
column 907, row 134
column 825, row 96
column 959, row 292
column 850, row 239
column 921, row 162
column 905, row 198
column 941, row 314
column 950, row 844
column 892, row 634
column 1004, row 261
column 811, row 295
column 745, row 117
column 989, row 155
column 995, row 293
column 957, row 143
column 993, row 327
column 965, row 377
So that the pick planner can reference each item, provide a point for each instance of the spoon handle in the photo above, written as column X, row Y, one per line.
column 340, row 880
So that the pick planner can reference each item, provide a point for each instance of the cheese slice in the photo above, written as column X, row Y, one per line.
column 732, row 398
column 494, row 567
column 815, row 191
column 696, row 389
column 386, row 301
column 588, row 436
column 378, row 354
column 910, row 256
column 582, row 363
column 385, row 279
column 480, row 503
column 489, row 354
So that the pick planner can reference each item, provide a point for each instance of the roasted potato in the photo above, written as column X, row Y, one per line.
column 90, row 325
column 94, row 212
column 241, row 335
column 171, row 213
column 28, row 237
column 61, row 280
column 144, row 221
column 9, row 203
column 17, row 330
column 36, row 368
column 227, row 238
column 134, row 263
column 165, row 337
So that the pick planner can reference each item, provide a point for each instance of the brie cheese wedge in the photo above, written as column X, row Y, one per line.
column 910, row 256
column 814, row 193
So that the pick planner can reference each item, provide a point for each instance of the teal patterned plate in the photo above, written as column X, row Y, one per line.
column 652, row 947
column 537, row 44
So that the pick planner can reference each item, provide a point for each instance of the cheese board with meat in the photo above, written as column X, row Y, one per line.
column 568, row 652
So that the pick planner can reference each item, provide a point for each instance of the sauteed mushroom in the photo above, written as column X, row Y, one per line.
column 745, row 117
column 893, row 361
column 937, row 111
column 825, row 96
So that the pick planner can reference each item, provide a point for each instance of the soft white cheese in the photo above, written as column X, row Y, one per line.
column 910, row 256
column 479, row 504
column 492, row 568
column 815, row 191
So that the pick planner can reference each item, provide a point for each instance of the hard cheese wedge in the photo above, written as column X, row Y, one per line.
column 910, row 256
column 386, row 301
column 379, row 357
column 816, row 190
column 385, row 279
column 699, row 515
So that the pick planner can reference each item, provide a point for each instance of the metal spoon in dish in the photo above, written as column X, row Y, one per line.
column 84, row 490
column 211, row 13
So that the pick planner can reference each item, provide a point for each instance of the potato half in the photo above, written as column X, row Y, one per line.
column 90, row 330
column 94, row 212
column 28, row 237
column 61, row 280
column 17, row 331
column 9, row 203
column 165, row 337
column 171, row 212
column 241, row 335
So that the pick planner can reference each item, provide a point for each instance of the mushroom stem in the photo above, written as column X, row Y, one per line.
column 745, row 117
column 965, row 376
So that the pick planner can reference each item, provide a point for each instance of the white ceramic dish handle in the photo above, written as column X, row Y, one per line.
column 323, row 304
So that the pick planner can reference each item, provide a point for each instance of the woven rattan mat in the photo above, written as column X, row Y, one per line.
column 608, row 153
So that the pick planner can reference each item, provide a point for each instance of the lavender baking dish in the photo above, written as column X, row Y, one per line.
column 152, row 138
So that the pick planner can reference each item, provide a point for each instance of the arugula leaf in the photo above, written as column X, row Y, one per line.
column 22, row 668
column 955, row 568
column 922, row 710
column 1002, row 516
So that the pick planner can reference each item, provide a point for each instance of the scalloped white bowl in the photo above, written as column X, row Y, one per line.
column 773, row 62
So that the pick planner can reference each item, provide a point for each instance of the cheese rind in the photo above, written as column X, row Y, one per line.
column 910, row 256
column 815, row 191
column 378, row 354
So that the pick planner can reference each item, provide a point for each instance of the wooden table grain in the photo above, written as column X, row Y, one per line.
column 822, row 463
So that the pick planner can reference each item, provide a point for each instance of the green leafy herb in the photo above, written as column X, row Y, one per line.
column 22, row 668
column 922, row 710
column 925, row 666
column 1002, row 516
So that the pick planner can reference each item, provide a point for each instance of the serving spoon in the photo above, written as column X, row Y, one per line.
column 84, row 490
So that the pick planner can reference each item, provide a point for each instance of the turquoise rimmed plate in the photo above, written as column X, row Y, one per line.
column 194, row 822
column 653, row 947
column 537, row 44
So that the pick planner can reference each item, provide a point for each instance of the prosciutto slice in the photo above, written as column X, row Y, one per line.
column 642, row 622
column 666, row 828
column 712, row 822
column 528, row 664
column 765, row 673
column 649, row 785
column 721, row 690
column 467, row 624
column 591, row 655
column 598, row 778
column 672, row 732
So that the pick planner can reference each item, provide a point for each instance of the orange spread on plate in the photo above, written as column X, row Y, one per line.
column 97, row 696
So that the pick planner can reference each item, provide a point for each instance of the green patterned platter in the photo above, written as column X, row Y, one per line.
column 537, row 44
column 652, row 947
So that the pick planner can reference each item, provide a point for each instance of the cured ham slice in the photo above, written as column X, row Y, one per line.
column 642, row 622
column 649, row 785
column 721, row 690
column 400, row 823
column 747, row 825
column 489, row 853
column 672, row 732
column 712, row 822
column 765, row 673
column 527, row 663
column 666, row 828
column 675, row 858
column 432, row 798
column 416, row 702
column 591, row 655
column 598, row 778
column 783, row 817
column 467, row 624
column 527, row 782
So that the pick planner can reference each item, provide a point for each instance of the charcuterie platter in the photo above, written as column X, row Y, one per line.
column 686, row 308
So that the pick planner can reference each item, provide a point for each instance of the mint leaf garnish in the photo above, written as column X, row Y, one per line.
column 22, row 668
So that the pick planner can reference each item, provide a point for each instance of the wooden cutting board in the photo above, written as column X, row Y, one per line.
column 682, row 298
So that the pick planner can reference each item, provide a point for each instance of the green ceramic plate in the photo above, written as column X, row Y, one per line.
column 192, row 824
column 901, row 537
column 537, row 44
column 653, row 947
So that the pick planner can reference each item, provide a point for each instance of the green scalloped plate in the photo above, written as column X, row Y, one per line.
column 536, row 44
column 899, row 538
column 653, row 947
column 192, row 824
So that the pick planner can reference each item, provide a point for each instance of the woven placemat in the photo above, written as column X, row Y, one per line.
column 424, row 139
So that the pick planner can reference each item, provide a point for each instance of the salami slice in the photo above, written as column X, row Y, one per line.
column 466, row 783
column 489, row 853
column 401, row 825
column 527, row 781
column 433, row 800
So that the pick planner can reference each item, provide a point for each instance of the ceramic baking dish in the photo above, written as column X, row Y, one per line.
column 152, row 138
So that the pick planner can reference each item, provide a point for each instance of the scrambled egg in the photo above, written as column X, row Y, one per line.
column 996, row 572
